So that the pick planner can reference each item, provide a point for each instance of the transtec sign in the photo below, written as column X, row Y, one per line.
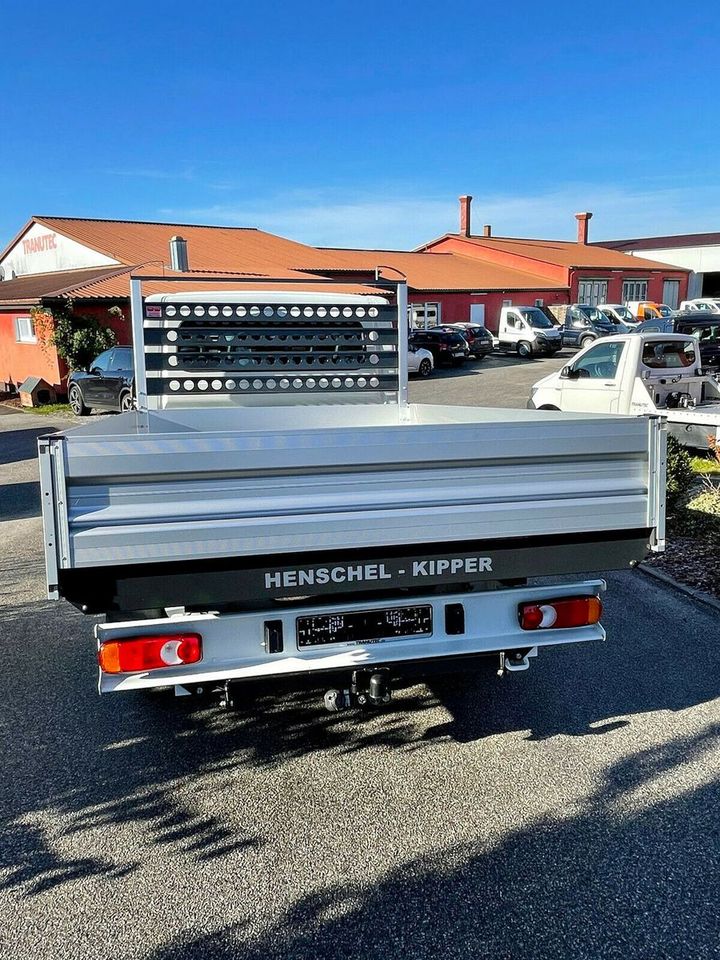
column 46, row 241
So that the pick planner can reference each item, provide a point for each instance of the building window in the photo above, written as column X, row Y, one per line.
column 540, row 302
column 507, row 303
column 634, row 290
column 24, row 330
column 592, row 292
column 424, row 315
column 671, row 293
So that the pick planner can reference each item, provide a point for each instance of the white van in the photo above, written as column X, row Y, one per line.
column 528, row 332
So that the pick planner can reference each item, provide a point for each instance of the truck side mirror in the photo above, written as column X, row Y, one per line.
column 567, row 373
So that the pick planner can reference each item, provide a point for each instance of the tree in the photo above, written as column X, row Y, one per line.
column 77, row 339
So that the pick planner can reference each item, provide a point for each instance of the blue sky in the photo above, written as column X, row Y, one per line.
column 360, row 123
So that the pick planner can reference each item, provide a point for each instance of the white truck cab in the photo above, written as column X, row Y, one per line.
column 705, row 304
column 528, row 332
column 639, row 373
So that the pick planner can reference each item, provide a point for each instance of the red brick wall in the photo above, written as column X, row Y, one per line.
column 456, row 306
column 615, row 282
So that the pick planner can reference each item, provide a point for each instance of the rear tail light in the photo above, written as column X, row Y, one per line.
column 556, row 614
column 132, row 654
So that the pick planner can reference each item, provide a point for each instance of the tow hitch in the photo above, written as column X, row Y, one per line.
column 368, row 688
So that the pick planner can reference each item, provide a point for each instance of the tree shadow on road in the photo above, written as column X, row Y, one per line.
column 632, row 875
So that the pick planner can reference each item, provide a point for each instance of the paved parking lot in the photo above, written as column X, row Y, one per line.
column 570, row 811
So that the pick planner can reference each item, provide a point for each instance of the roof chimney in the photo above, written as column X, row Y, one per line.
column 583, row 220
column 178, row 254
column 487, row 230
column 465, row 215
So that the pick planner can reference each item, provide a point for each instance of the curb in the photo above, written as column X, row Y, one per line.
column 691, row 592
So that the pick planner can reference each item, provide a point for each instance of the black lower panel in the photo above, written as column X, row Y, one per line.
column 234, row 584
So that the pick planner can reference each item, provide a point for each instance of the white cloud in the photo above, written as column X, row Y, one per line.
column 326, row 218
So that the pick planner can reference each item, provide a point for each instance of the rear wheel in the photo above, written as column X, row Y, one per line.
column 524, row 349
column 75, row 399
column 425, row 368
column 548, row 406
column 586, row 341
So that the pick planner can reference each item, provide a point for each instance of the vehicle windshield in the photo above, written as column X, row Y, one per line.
column 664, row 310
column 594, row 315
column 536, row 318
column 625, row 314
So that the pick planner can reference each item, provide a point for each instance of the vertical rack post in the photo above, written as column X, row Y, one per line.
column 402, row 305
column 136, row 313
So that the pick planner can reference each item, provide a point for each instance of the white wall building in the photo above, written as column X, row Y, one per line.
column 698, row 252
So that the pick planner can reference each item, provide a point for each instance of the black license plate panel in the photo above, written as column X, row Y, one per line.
column 364, row 626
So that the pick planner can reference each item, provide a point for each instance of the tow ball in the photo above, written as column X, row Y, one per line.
column 368, row 688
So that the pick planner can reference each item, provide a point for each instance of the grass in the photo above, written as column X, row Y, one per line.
column 48, row 409
column 704, row 465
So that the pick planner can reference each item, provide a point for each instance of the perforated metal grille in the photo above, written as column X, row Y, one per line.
column 229, row 349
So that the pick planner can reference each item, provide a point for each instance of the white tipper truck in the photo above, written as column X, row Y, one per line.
column 655, row 374
column 276, row 509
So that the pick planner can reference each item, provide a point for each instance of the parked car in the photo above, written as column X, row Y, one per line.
column 583, row 324
column 447, row 347
column 699, row 324
column 420, row 360
column 620, row 315
column 107, row 385
column 479, row 338
column 704, row 304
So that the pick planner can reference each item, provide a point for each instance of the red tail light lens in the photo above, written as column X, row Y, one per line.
column 132, row 654
column 556, row 614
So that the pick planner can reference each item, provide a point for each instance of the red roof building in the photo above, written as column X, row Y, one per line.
column 592, row 273
column 458, row 277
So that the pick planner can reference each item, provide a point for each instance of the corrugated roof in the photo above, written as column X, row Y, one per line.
column 33, row 287
column 103, row 283
column 236, row 249
column 659, row 243
column 443, row 271
column 561, row 252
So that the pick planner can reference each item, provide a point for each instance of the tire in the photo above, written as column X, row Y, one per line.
column 425, row 368
column 126, row 401
column 585, row 342
column 77, row 404
column 548, row 406
column 524, row 350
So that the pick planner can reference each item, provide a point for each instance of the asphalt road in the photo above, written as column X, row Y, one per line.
column 570, row 811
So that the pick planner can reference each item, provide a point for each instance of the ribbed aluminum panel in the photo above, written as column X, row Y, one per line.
column 436, row 474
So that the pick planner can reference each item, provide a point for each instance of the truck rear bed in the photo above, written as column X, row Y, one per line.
column 268, row 487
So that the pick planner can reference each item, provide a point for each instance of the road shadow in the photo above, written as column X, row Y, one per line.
column 632, row 875
column 18, row 501
column 17, row 445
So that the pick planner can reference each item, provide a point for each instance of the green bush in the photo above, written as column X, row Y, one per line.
column 680, row 476
column 77, row 339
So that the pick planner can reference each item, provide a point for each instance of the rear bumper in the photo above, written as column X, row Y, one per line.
column 235, row 645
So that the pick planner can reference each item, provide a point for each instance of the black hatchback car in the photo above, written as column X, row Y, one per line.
column 107, row 385
column 447, row 346
column 479, row 339
column 705, row 327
